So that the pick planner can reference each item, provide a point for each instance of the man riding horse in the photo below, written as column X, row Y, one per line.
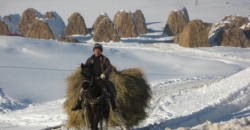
column 102, row 68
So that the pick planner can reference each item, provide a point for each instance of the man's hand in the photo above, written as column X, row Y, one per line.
column 102, row 76
column 106, row 94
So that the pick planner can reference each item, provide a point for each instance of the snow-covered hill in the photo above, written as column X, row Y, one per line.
column 33, row 73
column 190, row 85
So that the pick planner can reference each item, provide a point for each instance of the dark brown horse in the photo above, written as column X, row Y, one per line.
column 96, row 107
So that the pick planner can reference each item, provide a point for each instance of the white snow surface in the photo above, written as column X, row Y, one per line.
column 38, row 14
column 234, row 124
column 55, row 26
column 60, row 23
column 212, row 102
column 14, row 18
column 192, row 87
column 176, row 74
column 245, row 26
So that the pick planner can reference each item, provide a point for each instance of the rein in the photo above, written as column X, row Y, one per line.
column 92, row 101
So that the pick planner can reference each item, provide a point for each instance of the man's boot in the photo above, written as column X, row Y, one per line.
column 113, row 103
column 78, row 106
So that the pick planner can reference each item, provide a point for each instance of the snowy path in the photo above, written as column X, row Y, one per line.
column 34, row 116
column 200, row 99
column 219, row 101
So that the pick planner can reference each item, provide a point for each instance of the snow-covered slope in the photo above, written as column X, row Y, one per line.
column 49, row 62
column 33, row 71
column 14, row 18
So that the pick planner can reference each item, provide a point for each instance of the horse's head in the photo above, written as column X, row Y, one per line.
column 87, row 76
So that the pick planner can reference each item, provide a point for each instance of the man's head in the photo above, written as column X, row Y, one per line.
column 97, row 49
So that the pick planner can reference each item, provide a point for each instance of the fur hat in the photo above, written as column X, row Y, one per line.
column 97, row 45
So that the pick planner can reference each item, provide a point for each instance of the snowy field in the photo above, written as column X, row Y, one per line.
column 192, row 87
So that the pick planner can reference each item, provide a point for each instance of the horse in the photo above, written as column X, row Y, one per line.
column 96, row 104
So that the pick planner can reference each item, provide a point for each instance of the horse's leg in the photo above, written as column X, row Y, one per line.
column 90, row 116
column 105, row 117
column 100, row 123
column 118, row 117
column 86, row 118
column 96, row 117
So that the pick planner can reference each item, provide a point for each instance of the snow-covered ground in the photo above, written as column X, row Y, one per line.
column 191, row 86
column 33, row 73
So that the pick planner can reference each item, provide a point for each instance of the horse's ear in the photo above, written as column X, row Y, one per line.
column 82, row 66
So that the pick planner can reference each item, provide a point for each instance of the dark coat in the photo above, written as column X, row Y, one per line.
column 105, row 65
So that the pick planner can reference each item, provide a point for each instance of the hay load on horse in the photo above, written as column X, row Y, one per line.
column 133, row 95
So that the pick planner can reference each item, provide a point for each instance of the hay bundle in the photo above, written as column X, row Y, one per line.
column 67, row 39
column 227, row 34
column 238, row 21
column 246, row 30
column 3, row 28
column 76, row 25
column 7, row 17
column 50, row 27
column 126, row 24
column 176, row 22
column 49, row 15
column 106, row 32
column 40, row 29
column 177, row 38
column 140, row 21
column 27, row 19
column 98, row 20
column 55, row 22
column 133, row 95
column 7, row 27
column 194, row 35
